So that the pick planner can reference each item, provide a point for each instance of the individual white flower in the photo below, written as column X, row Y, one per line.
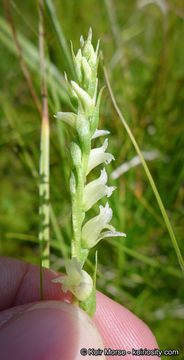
column 98, row 156
column 77, row 280
column 95, row 190
column 68, row 117
column 91, row 231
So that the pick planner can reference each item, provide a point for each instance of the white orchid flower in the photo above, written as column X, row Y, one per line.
column 95, row 190
column 98, row 156
column 77, row 280
column 92, row 230
column 68, row 117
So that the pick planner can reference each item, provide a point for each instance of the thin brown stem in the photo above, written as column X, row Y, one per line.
column 45, row 116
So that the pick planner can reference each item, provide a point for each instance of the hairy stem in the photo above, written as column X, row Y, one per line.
column 44, row 230
column 77, row 216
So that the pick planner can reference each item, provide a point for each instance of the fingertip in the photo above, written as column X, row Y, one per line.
column 121, row 329
column 49, row 330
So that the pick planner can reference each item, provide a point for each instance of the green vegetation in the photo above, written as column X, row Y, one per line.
column 144, row 56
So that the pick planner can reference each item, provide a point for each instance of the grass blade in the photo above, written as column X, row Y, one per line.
column 60, row 35
column 31, row 57
column 145, row 259
column 21, row 59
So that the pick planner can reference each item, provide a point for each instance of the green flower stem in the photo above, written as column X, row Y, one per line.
column 77, row 217
column 85, row 164
column 77, row 200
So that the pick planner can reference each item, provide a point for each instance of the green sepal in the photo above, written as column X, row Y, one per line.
column 95, row 118
column 83, row 131
column 83, row 255
column 92, row 82
column 72, row 96
column 89, row 305
column 84, row 98
column 77, row 62
column 87, row 48
column 94, row 70
column 86, row 73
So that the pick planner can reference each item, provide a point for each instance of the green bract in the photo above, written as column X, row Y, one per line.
column 86, row 234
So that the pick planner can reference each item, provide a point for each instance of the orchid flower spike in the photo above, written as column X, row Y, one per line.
column 85, row 98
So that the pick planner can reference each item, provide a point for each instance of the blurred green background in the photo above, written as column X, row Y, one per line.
column 143, row 47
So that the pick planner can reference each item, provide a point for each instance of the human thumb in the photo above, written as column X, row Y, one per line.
column 48, row 330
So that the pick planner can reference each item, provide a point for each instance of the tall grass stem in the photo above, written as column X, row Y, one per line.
column 44, row 230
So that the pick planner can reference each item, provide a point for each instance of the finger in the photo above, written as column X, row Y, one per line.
column 118, row 326
column 20, row 283
column 49, row 330
column 121, row 329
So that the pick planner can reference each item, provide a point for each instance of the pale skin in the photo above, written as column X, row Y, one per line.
column 53, row 329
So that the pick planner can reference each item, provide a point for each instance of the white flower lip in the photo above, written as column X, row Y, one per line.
column 113, row 233
column 98, row 156
column 96, row 190
column 99, row 133
column 77, row 280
